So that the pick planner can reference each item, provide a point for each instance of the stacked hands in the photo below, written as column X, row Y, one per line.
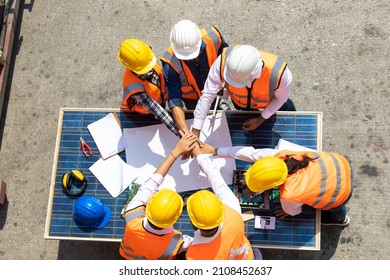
column 189, row 146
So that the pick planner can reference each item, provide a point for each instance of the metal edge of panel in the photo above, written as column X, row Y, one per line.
column 71, row 238
column 318, row 229
column 281, row 247
column 54, row 173
column 318, row 211
column 62, row 110
column 90, row 109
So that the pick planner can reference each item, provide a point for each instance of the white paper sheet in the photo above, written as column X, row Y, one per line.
column 114, row 174
column 148, row 146
column 287, row 145
column 108, row 136
column 265, row 222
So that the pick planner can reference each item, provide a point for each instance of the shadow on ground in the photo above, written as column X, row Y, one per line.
column 3, row 213
column 88, row 250
column 92, row 250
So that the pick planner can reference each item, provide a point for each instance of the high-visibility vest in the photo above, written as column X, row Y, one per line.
column 230, row 244
column 189, row 87
column 139, row 244
column 263, row 88
column 132, row 84
column 324, row 184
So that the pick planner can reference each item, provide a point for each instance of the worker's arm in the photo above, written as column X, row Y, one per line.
column 184, row 145
column 211, row 88
column 187, row 240
column 144, row 100
column 244, row 153
column 145, row 192
column 218, row 184
column 289, row 208
column 175, row 99
column 281, row 95
column 179, row 117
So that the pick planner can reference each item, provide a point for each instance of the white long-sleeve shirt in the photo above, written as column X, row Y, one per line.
column 250, row 154
column 221, row 190
column 214, row 84
column 142, row 197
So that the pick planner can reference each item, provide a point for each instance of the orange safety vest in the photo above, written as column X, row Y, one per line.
column 324, row 184
column 139, row 244
column 263, row 88
column 189, row 88
column 230, row 244
column 133, row 84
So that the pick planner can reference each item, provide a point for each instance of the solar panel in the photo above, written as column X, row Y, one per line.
column 298, row 232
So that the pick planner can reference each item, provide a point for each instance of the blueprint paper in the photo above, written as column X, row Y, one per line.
column 148, row 146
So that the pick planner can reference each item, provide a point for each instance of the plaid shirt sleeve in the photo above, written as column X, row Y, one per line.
column 144, row 100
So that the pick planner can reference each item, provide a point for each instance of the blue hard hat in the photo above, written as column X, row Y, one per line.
column 91, row 211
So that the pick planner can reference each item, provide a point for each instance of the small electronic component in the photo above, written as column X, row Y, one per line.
column 249, row 199
column 133, row 189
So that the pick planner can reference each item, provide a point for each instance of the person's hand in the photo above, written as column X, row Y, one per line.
column 199, row 144
column 185, row 144
column 280, row 213
column 196, row 132
column 252, row 124
column 206, row 149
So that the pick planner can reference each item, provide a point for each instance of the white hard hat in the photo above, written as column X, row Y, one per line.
column 186, row 39
column 242, row 66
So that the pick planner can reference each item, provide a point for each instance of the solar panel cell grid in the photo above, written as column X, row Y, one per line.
column 293, row 232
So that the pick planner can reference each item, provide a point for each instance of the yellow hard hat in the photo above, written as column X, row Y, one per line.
column 205, row 210
column 266, row 173
column 137, row 56
column 164, row 208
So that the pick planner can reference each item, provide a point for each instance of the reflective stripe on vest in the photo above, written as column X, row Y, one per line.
column 133, row 87
column 170, row 251
column 274, row 77
column 132, row 84
column 324, row 184
column 134, row 214
column 189, row 87
column 239, row 251
column 126, row 250
column 176, row 65
column 230, row 243
column 258, row 94
column 323, row 181
column 136, row 217
column 171, row 247
column 212, row 39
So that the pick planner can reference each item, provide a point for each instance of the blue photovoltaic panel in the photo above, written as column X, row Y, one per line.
column 297, row 127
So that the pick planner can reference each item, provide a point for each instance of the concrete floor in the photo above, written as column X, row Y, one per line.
column 65, row 55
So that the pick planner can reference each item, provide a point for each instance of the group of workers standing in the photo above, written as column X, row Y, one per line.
column 200, row 70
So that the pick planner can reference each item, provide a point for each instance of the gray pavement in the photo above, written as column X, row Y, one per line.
column 65, row 55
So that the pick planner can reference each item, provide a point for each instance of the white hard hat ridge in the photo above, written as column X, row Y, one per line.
column 186, row 39
column 242, row 65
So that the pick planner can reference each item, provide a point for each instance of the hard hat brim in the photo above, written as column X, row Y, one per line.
column 232, row 82
column 106, row 218
column 186, row 56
